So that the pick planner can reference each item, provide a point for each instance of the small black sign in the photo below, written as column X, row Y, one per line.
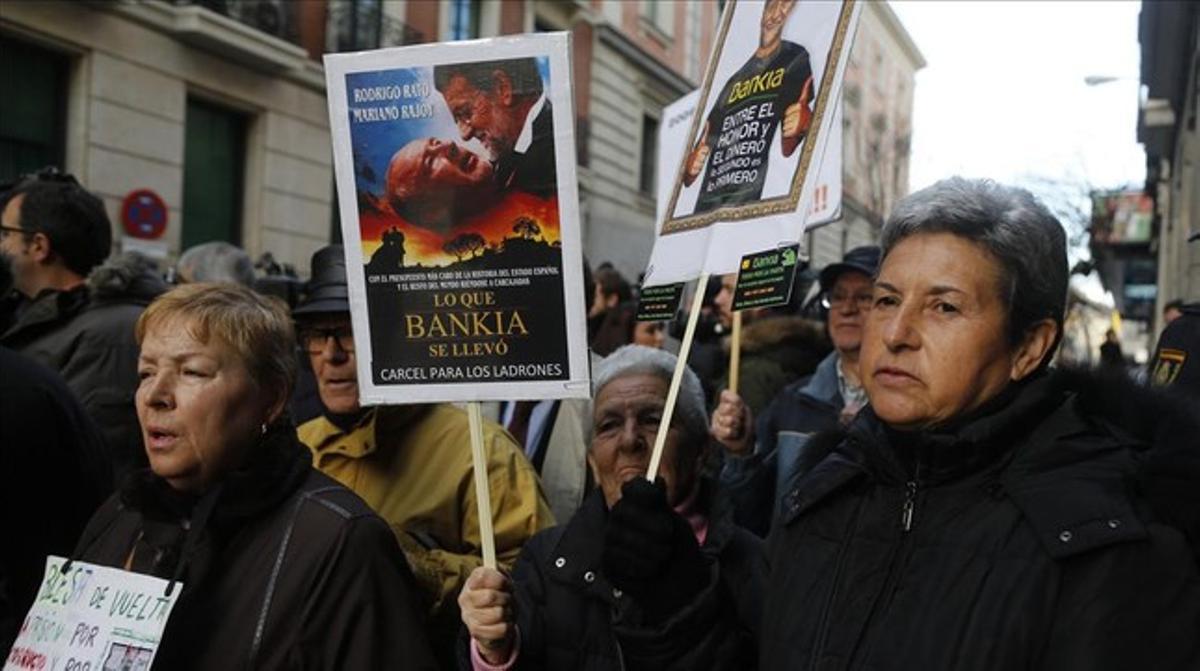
column 657, row 304
column 765, row 278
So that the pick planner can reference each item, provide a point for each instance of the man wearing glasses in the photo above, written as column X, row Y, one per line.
column 763, row 456
column 411, row 463
column 69, row 311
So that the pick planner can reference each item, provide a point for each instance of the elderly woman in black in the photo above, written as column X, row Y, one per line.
column 280, row 566
column 643, row 576
column 975, row 515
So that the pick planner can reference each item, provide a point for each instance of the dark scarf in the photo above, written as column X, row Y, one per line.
column 183, row 533
column 983, row 438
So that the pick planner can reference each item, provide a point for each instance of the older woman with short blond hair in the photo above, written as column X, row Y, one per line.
column 280, row 566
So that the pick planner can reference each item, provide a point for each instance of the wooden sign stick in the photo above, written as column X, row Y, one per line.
column 735, row 352
column 660, row 439
column 483, row 495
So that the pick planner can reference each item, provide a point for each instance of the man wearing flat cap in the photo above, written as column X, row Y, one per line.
column 763, row 456
column 411, row 463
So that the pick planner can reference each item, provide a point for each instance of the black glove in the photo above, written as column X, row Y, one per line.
column 650, row 552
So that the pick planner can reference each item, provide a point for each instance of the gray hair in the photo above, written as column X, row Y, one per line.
column 1022, row 235
column 639, row 359
column 216, row 262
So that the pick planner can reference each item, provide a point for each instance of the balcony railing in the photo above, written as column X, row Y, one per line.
column 351, row 25
column 277, row 18
column 355, row 25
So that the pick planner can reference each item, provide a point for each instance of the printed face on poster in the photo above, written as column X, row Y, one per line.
column 749, row 175
column 93, row 617
column 456, row 179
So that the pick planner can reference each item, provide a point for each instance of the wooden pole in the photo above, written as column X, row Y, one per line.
column 735, row 352
column 483, row 496
column 660, row 439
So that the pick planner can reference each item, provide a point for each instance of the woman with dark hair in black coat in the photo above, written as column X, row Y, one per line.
column 977, row 514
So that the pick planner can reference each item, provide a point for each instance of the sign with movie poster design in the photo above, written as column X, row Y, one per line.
column 455, row 168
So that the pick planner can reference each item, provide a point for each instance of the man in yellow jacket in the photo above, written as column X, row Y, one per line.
column 411, row 463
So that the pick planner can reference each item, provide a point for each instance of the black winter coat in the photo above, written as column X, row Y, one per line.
column 51, row 461
column 283, row 568
column 86, row 335
column 570, row 617
column 1017, row 540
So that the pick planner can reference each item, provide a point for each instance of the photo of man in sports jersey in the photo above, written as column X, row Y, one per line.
column 773, row 90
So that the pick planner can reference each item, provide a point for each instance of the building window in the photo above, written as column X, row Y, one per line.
column 213, row 158
column 357, row 23
column 33, row 86
column 660, row 14
column 465, row 19
column 648, row 175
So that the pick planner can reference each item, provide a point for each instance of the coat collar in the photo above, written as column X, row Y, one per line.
column 276, row 466
column 326, row 437
column 823, row 385
column 1058, row 465
column 47, row 308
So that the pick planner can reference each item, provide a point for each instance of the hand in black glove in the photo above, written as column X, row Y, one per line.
column 650, row 552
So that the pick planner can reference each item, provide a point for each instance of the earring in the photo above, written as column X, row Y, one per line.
column 262, row 430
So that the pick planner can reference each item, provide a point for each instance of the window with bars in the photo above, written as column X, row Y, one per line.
column 660, row 14
column 33, row 85
column 465, row 17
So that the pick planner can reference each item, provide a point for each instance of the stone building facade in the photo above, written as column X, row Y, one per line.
column 218, row 107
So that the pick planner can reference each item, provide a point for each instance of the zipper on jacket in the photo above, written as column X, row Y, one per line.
column 910, row 503
column 895, row 566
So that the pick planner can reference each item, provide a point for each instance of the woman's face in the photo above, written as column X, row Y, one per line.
column 935, row 343
column 650, row 334
column 625, row 420
column 199, row 408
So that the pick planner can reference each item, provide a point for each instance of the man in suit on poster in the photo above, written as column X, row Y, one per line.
column 504, row 105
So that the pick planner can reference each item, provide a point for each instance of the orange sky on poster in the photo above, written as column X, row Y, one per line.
column 424, row 246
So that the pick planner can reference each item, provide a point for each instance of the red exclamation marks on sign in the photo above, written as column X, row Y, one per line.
column 820, row 199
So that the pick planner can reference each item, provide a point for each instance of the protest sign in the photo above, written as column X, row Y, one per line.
column 826, row 204
column 659, row 304
column 765, row 279
column 455, row 168
column 92, row 618
column 749, row 170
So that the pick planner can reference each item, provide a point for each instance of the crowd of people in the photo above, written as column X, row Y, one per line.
column 902, row 479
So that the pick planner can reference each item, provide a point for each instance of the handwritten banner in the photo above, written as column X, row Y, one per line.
column 92, row 618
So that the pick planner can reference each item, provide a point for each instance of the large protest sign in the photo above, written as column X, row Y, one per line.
column 456, row 180
column 93, row 618
column 749, row 172
column 826, row 204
